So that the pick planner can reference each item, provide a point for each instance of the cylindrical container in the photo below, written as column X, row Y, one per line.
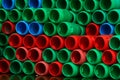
column 35, row 3
column 113, row 19
column 70, row 70
column 1, row 52
column 48, row 4
column 86, row 42
column 63, row 4
column 109, row 57
column 92, row 29
column 55, row 69
column 41, row 68
column 16, row 67
column 57, row 42
column 76, row 5
column 49, row 55
column 114, row 71
column 50, row 29
column 94, row 56
column 72, row 42
column 28, row 14
column 102, row 42
column 35, row 54
column 42, row 15
column 114, row 42
column 118, row 57
column 8, row 4
column 4, row 77
column 87, row 70
column 0, row 27
column 3, row 39
column 29, row 41
column 65, row 29
column 35, row 28
column 22, row 27
column 117, row 29
column 106, row 29
column 83, row 18
column 14, row 15
column 63, row 55
column 60, row 15
column 101, row 70
column 29, row 77
column 3, row 15
column 99, row 16
column 15, row 40
column 91, row 5
column 42, row 41
column 4, row 66
column 21, row 4
column 109, row 4
column 21, row 53
column 8, row 27
column 28, row 67
column 13, row 77
column 78, row 56
column 9, row 53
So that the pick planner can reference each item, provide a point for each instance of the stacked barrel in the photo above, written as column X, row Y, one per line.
column 60, row 37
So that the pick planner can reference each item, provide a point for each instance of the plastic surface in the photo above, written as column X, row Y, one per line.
column 41, row 68
column 114, row 42
column 99, row 16
column 55, row 69
column 35, row 28
column 63, row 55
column 35, row 3
column 9, row 53
column 4, row 66
column 86, row 42
column 87, row 70
column 83, row 18
column 21, row 53
column 14, row 15
column 3, row 39
column 78, row 56
column 8, row 27
column 92, row 29
column 113, row 19
column 35, row 54
column 109, row 57
column 3, row 15
column 70, row 70
column 109, row 4
column 28, row 67
column 48, row 4
column 106, row 29
column 28, row 14
column 65, row 29
column 117, row 29
column 76, row 5
column 50, row 29
column 21, row 4
column 101, row 70
column 91, row 5
column 4, row 76
column 49, row 55
column 57, row 42
column 42, row 15
column 60, row 15
column 94, row 56
column 29, row 77
column 15, row 67
column 63, row 4
column 22, row 27
column 115, row 71
column 29, row 41
column 13, row 77
column 8, row 4
column 102, row 42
